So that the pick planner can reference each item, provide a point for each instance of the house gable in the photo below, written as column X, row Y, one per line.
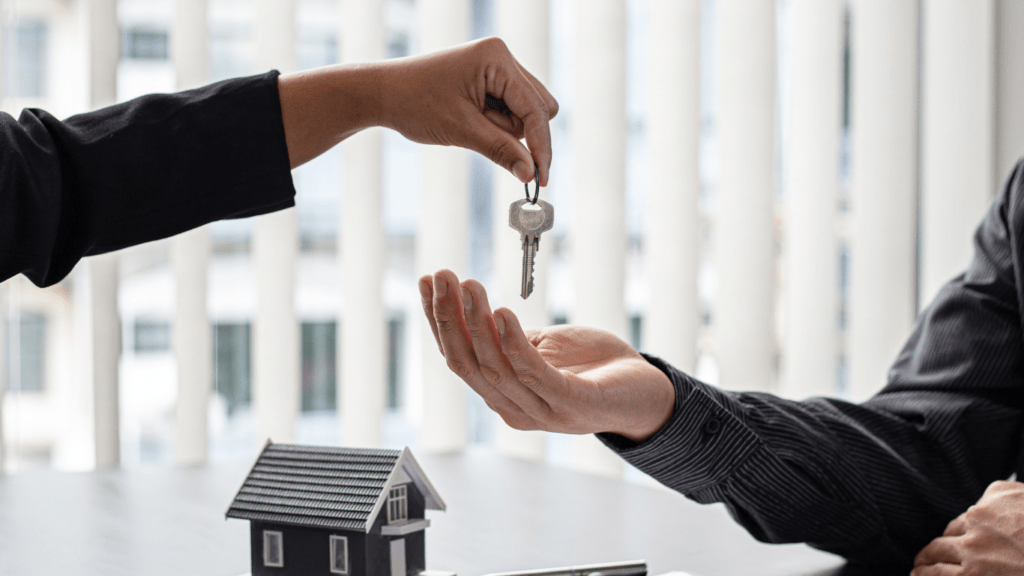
column 330, row 488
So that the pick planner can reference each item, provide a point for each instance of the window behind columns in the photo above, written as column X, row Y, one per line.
column 29, row 374
column 319, row 346
column 396, row 359
column 25, row 59
column 232, row 364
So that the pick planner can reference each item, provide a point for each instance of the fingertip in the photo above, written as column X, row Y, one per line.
column 508, row 322
column 425, row 286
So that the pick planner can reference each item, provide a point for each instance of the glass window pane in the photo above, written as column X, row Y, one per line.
column 318, row 365
column 232, row 361
column 144, row 44
column 25, row 49
column 30, row 374
column 151, row 336
column 339, row 555
column 273, row 554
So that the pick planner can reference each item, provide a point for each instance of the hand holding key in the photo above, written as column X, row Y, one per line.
column 569, row 379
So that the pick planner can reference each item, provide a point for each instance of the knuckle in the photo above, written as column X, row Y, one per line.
column 530, row 380
column 477, row 332
column 493, row 44
column 490, row 375
column 460, row 368
column 501, row 152
column 446, row 321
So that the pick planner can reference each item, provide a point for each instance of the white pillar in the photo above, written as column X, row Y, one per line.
column 443, row 237
column 190, row 255
column 599, row 156
column 673, row 135
column 524, row 26
column 275, row 251
column 363, row 354
column 883, row 198
column 1010, row 76
column 957, row 138
column 104, row 53
column 744, row 235
column 5, row 376
column 106, row 346
column 811, row 167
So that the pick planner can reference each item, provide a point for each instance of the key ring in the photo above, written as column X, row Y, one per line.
column 536, row 186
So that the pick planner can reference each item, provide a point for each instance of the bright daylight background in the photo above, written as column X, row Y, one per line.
column 763, row 192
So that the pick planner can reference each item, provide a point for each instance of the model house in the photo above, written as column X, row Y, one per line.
column 322, row 511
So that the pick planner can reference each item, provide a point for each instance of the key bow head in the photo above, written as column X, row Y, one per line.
column 531, row 219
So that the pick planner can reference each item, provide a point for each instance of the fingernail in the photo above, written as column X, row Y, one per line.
column 440, row 286
column 521, row 171
column 500, row 322
column 467, row 299
column 424, row 292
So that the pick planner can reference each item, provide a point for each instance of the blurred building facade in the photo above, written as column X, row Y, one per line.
column 776, row 187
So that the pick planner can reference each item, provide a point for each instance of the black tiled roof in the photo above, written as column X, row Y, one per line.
column 314, row 486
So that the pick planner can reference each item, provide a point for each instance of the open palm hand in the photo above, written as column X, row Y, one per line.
column 561, row 379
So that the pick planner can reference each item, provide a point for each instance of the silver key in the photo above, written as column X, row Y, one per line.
column 531, row 220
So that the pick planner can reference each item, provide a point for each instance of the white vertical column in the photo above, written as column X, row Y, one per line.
column 811, row 249
column 443, row 237
column 957, row 134
column 363, row 353
column 673, row 131
column 599, row 154
column 104, row 53
column 744, row 238
column 190, row 255
column 275, row 250
column 1010, row 75
column 5, row 376
column 524, row 26
column 883, row 199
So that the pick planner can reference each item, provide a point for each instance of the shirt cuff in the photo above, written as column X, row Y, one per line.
column 702, row 443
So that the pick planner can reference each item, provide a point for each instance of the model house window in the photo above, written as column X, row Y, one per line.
column 339, row 555
column 398, row 509
column 273, row 549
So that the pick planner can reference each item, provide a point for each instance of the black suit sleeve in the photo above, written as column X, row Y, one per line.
column 873, row 482
column 139, row 171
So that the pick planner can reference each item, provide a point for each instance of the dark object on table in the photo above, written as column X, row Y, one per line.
column 630, row 568
column 352, row 511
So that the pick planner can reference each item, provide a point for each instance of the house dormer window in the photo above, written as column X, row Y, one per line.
column 398, row 505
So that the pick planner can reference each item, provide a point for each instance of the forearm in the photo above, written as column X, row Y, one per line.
column 138, row 171
column 323, row 106
column 859, row 481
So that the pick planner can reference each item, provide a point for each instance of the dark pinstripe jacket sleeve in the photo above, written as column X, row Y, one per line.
column 873, row 482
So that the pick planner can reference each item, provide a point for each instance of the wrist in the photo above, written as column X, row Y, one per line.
column 651, row 403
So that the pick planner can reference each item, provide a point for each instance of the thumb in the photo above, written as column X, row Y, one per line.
column 501, row 148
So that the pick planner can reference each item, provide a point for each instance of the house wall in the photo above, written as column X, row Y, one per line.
column 306, row 551
column 378, row 547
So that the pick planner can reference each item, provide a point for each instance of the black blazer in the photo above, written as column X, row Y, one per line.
column 138, row 171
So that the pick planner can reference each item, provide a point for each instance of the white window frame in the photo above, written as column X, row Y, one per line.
column 267, row 534
column 398, row 504
column 334, row 557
